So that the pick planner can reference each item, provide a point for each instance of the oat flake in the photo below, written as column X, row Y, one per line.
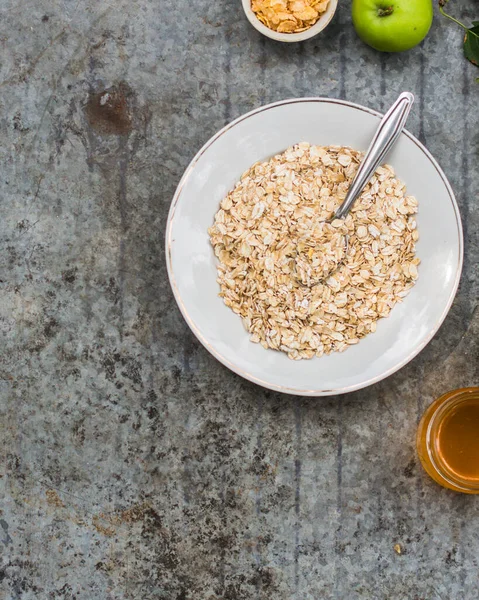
column 281, row 205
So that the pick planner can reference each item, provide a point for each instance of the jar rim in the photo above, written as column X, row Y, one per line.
column 451, row 400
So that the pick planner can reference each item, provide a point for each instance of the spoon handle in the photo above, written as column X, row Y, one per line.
column 389, row 130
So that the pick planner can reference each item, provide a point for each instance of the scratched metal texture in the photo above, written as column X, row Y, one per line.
column 133, row 465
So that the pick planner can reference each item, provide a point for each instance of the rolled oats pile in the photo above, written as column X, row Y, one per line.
column 274, row 246
column 289, row 16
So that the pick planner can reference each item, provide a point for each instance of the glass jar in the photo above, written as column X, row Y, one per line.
column 448, row 440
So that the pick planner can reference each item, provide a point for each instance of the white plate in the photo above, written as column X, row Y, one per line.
column 192, row 264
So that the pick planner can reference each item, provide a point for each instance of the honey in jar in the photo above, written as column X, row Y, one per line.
column 448, row 440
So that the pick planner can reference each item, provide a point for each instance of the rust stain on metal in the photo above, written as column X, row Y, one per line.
column 54, row 499
column 98, row 525
column 106, row 523
column 109, row 111
column 135, row 513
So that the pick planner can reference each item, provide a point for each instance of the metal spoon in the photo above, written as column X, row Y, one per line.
column 386, row 135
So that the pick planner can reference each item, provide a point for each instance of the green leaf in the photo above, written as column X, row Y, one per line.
column 471, row 44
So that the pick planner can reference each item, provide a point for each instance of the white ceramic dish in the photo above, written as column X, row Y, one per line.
column 192, row 264
column 291, row 37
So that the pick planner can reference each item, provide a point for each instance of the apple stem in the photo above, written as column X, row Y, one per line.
column 443, row 12
column 386, row 11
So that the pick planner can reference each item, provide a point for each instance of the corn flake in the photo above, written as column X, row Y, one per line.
column 289, row 16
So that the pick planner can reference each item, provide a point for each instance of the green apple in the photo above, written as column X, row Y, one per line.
column 392, row 26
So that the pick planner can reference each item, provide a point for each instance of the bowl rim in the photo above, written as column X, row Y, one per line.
column 312, row 31
column 212, row 349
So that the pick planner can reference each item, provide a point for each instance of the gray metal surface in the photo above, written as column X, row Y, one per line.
column 133, row 465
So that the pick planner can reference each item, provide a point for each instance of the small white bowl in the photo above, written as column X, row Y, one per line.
column 192, row 264
column 291, row 37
